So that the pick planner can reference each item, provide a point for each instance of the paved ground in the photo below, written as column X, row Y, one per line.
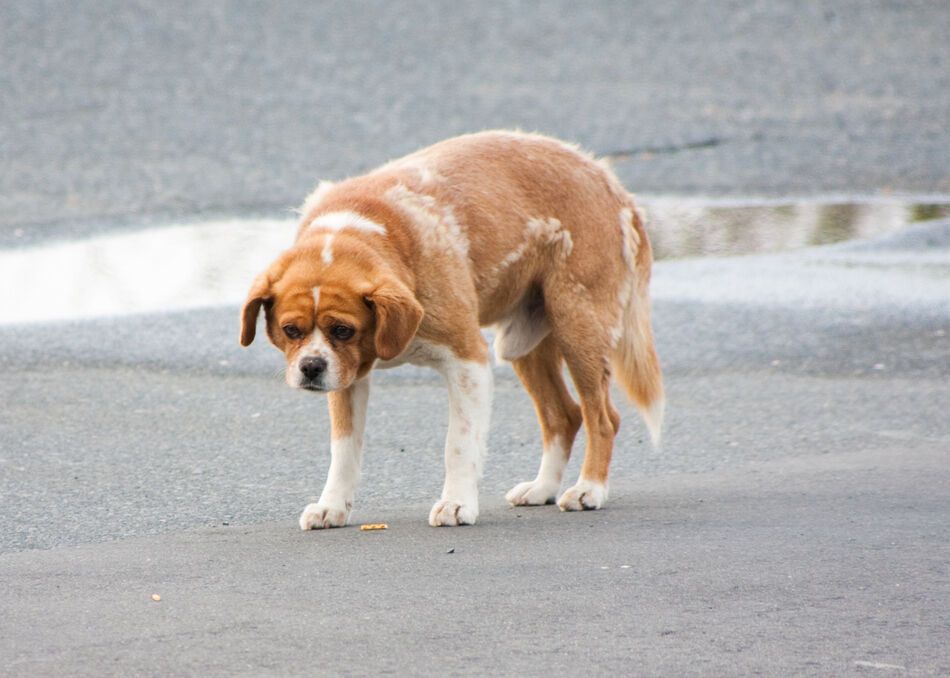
column 797, row 519
column 116, row 110
column 772, row 569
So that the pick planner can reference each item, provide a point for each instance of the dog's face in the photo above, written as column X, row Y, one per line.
column 331, row 322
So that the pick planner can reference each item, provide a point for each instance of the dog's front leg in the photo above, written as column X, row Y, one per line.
column 470, row 393
column 347, row 423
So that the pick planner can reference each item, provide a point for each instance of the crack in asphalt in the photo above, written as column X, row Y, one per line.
column 627, row 153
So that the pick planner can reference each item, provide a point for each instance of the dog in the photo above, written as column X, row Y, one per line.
column 405, row 264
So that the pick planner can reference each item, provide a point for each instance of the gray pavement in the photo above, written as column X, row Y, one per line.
column 795, row 521
column 116, row 110
column 797, row 518
column 767, row 570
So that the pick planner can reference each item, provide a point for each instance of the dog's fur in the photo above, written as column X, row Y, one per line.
column 405, row 264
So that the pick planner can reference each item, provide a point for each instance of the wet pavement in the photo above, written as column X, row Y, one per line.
column 174, row 267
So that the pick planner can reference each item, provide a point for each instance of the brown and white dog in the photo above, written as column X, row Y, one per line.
column 405, row 264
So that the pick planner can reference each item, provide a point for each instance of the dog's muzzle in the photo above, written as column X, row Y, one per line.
column 313, row 369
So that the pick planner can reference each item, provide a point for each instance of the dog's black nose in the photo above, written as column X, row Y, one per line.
column 312, row 367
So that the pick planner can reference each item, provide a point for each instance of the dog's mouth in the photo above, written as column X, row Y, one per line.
column 314, row 387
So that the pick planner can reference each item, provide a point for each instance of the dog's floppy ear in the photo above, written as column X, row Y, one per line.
column 398, row 315
column 260, row 292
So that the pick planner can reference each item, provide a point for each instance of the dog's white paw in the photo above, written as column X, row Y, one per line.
column 447, row 512
column 320, row 516
column 584, row 496
column 532, row 493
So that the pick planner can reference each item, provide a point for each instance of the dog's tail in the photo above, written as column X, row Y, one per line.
column 635, row 362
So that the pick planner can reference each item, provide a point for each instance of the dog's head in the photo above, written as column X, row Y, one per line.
column 331, row 322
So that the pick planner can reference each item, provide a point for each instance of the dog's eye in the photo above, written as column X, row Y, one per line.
column 292, row 332
column 341, row 332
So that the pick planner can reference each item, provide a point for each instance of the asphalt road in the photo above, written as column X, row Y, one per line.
column 797, row 519
column 114, row 111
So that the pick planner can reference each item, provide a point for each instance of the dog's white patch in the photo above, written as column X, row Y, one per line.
column 470, row 394
column 513, row 257
column 435, row 224
column 543, row 489
column 337, row 221
column 540, row 234
column 327, row 254
column 346, row 453
column 427, row 175
column 585, row 495
column 549, row 232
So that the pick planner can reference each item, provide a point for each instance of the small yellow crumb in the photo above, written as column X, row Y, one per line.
column 374, row 526
column 156, row 597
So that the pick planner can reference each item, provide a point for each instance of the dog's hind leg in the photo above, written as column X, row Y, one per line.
column 585, row 343
column 347, row 422
column 560, row 417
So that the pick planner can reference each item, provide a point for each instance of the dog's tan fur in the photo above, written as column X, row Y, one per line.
column 515, row 230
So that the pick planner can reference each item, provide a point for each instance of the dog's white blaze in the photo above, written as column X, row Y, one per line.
column 337, row 221
column 327, row 254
